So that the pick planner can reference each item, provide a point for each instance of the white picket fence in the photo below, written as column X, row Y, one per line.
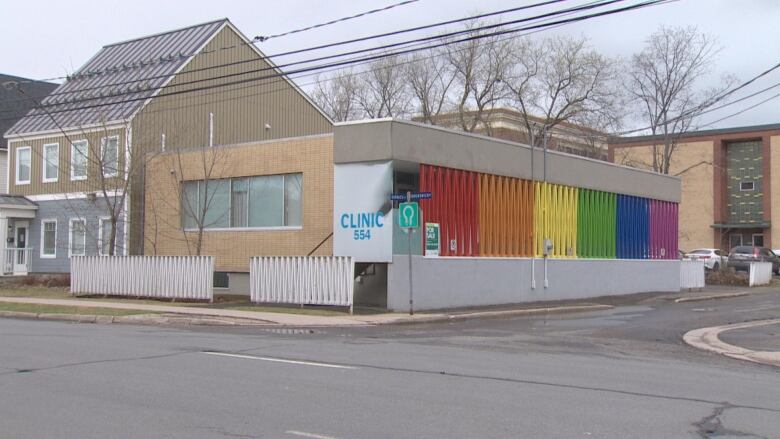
column 691, row 274
column 760, row 273
column 170, row 277
column 304, row 280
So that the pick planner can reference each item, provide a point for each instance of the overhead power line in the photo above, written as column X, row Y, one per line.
column 324, row 46
column 381, row 55
column 374, row 57
column 262, row 38
column 329, row 45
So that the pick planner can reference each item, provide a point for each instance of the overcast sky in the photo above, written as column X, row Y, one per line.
column 51, row 39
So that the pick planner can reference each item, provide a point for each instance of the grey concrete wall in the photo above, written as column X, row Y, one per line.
column 418, row 143
column 238, row 285
column 462, row 282
column 63, row 211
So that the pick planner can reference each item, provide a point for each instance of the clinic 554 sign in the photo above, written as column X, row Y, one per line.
column 362, row 223
column 362, row 215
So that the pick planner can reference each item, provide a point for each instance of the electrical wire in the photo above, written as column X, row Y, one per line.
column 586, row 6
column 329, row 45
column 368, row 58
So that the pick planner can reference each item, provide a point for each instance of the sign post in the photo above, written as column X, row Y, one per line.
column 409, row 220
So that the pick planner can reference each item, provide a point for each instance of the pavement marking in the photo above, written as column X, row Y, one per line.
column 280, row 360
column 309, row 435
column 707, row 339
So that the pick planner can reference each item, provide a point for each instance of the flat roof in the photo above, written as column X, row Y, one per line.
column 702, row 133
column 414, row 142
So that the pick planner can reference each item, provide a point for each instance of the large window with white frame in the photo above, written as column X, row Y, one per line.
column 104, row 237
column 49, row 238
column 51, row 162
column 109, row 156
column 77, row 244
column 23, row 165
column 268, row 201
column 79, row 152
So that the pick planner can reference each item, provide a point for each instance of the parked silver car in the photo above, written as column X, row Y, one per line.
column 713, row 258
column 740, row 257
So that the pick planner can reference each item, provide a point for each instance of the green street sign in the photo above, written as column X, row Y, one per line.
column 432, row 239
column 409, row 215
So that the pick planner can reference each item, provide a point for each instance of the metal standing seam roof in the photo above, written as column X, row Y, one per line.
column 148, row 61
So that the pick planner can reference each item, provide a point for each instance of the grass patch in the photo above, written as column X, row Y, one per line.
column 37, row 292
column 56, row 309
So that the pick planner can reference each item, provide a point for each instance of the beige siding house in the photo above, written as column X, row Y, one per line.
column 82, row 157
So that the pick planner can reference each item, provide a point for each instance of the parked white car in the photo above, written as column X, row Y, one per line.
column 712, row 257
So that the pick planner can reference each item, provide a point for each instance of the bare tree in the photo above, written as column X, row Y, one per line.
column 479, row 66
column 337, row 95
column 559, row 82
column 383, row 90
column 664, row 80
column 430, row 80
column 196, row 176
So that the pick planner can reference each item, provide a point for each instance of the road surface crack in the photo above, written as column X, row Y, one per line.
column 712, row 426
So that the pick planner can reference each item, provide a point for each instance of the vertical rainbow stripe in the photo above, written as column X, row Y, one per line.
column 491, row 215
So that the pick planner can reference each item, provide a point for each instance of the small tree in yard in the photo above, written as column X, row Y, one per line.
column 192, row 187
column 664, row 80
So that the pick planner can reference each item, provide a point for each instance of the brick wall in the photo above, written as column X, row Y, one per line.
column 312, row 156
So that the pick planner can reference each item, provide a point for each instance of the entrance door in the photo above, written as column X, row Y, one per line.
column 20, row 238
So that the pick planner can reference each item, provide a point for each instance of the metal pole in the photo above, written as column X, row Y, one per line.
column 533, row 232
column 544, row 176
column 409, row 251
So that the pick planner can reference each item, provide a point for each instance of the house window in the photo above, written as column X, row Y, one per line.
column 79, row 151
column 49, row 239
column 104, row 237
column 109, row 156
column 254, row 202
column 23, row 165
column 51, row 162
column 758, row 239
column 735, row 240
column 746, row 185
column 78, row 237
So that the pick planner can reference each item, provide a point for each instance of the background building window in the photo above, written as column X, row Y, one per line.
column 78, row 237
column 109, row 155
column 78, row 160
column 747, row 185
column 49, row 238
column 23, row 165
column 263, row 201
column 51, row 162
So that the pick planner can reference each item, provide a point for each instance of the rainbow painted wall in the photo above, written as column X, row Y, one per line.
column 491, row 215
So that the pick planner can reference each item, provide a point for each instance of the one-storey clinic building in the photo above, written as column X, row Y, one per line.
column 514, row 227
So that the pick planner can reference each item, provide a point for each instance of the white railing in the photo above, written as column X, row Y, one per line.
column 17, row 260
column 760, row 273
column 304, row 280
column 171, row 277
column 691, row 274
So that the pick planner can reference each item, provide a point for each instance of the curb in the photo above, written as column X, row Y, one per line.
column 711, row 297
column 707, row 339
column 184, row 320
column 529, row 312
column 138, row 319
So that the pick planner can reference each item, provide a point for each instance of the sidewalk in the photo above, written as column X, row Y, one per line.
column 174, row 314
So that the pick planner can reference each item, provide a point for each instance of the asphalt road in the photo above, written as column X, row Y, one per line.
column 623, row 373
